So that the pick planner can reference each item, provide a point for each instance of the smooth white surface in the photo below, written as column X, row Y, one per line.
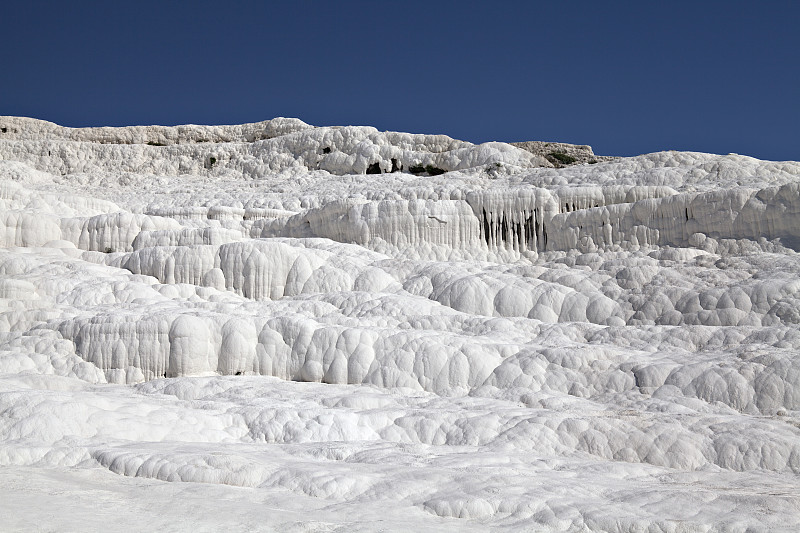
column 296, row 345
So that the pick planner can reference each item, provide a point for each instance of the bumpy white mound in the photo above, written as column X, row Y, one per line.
column 384, row 331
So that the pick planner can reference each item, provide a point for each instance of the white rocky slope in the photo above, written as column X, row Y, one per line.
column 324, row 329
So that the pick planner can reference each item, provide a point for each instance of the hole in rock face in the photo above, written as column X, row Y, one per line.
column 374, row 168
column 5, row 130
column 395, row 166
column 433, row 171
column 430, row 169
column 326, row 150
column 238, row 372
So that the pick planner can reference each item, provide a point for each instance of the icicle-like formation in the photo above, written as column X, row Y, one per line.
column 515, row 220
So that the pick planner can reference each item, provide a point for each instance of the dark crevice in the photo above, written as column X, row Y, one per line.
column 485, row 227
column 523, row 233
column 434, row 171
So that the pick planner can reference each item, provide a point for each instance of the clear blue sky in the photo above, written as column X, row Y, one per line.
column 624, row 77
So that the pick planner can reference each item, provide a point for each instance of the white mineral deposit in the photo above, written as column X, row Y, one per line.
column 281, row 327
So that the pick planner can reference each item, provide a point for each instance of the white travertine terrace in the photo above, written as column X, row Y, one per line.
column 385, row 331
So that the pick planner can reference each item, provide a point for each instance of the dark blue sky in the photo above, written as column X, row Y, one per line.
column 624, row 77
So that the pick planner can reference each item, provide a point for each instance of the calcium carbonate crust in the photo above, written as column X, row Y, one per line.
column 399, row 329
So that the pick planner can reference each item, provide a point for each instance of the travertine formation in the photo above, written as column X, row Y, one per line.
column 563, row 154
column 373, row 326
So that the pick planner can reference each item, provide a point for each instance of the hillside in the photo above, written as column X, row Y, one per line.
column 390, row 331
